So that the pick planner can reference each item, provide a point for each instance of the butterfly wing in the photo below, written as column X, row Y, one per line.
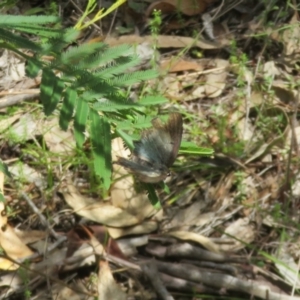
column 151, row 146
column 174, row 130
column 156, row 150
column 160, row 144
column 145, row 171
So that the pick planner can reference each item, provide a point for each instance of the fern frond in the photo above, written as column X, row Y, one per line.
column 132, row 78
column 114, row 52
column 153, row 100
column 36, row 29
column 110, row 105
column 11, row 20
column 106, row 58
column 101, row 141
column 17, row 40
column 80, row 121
column 57, row 44
column 122, row 66
column 79, row 55
column 93, row 84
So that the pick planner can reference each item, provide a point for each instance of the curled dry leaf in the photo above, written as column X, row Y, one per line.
column 164, row 6
column 26, row 128
column 209, row 80
column 98, row 211
column 243, row 231
column 198, row 238
column 270, row 69
column 31, row 236
column 187, row 7
column 128, row 245
column 70, row 292
column 174, row 65
column 108, row 289
column 83, row 256
column 289, row 37
column 56, row 139
column 296, row 186
column 286, row 265
column 25, row 173
column 7, row 122
column 144, row 228
column 245, row 128
column 216, row 79
column 293, row 134
column 96, row 234
column 189, row 216
column 10, row 243
column 163, row 41
column 13, row 247
column 14, row 69
column 11, row 282
column 54, row 258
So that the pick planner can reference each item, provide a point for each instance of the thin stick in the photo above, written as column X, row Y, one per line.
column 40, row 215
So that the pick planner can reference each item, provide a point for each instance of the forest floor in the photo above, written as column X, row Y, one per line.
column 227, row 222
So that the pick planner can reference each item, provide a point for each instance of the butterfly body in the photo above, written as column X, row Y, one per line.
column 156, row 151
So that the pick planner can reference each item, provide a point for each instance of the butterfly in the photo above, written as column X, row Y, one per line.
column 156, row 151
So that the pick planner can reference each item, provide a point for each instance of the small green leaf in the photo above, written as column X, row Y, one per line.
column 56, row 96
column 47, row 86
column 82, row 111
column 4, row 169
column 2, row 199
column 152, row 196
column 13, row 20
column 51, row 90
column 110, row 105
column 191, row 148
column 20, row 41
column 32, row 68
column 67, row 109
column 153, row 100
column 101, row 141
column 126, row 138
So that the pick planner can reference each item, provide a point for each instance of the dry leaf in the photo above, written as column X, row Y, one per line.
column 128, row 245
column 98, row 211
column 50, row 263
column 60, row 292
column 163, row 41
column 107, row 287
column 179, row 65
column 216, row 79
column 10, row 243
column 286, row 266
column 195, row 237
column 31, row 236
column 12, row 281
column 14, row 69
column 56, row 139
column 270, row 69
column 144, row 228
column 25, row 128
column 189, row 216
column 24, row 173
column 12, row 246
column 242, row 230
column 7, row 122
column 187, row 7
